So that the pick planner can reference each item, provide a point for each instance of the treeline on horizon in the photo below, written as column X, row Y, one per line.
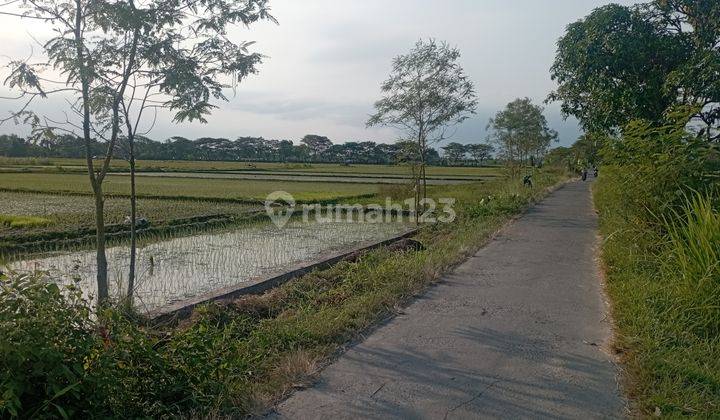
column 312, row 148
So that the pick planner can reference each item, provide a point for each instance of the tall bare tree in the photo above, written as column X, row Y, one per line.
column 426, row 94
column 115, row 59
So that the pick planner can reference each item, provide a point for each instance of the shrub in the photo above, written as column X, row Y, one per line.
column 58, row 360
column 45, row 338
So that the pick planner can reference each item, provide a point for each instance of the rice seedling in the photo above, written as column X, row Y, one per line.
column 23, row 221
column 180, row 268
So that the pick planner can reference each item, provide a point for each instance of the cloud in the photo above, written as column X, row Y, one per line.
column 327, row 58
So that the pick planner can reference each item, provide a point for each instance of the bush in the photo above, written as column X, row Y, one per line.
column 45, row 338
column 58, row 360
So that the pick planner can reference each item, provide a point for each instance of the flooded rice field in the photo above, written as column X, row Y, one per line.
column 177, row 269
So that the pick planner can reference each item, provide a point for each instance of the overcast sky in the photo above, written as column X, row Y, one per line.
column 327, row 59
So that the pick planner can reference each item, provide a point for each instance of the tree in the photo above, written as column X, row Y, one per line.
column 426, row 93
column 120, row 60
column 695, row 27
column 480, row 152
column 611, row 66
column 587, row 148
column 455, row 152
column 628, row 63
column 316, row 144
column 521, row 133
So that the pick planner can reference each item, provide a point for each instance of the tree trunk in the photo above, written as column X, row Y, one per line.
column 133, row 218
column 424, row 180
column 417, row 199
column 102, row 280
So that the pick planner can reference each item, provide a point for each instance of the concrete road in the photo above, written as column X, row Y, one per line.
column 517, row 331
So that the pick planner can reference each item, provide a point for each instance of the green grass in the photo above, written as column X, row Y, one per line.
column 184, row 187
column 663, row 277
column 236, row 358
column 20, row 222
column 67, row 212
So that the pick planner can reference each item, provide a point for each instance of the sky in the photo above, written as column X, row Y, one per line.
column 326, row 59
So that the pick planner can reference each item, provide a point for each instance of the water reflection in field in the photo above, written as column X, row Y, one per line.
column 180, row 268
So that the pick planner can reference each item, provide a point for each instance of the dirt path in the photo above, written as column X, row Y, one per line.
column 518, row 330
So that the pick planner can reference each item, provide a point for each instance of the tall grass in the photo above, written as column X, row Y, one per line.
column 694, row 260
column 661, row 260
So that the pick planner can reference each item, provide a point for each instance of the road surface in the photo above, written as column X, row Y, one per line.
column 518, row 330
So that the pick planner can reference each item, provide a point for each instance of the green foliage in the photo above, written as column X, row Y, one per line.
column 664, row 282
column 693, row 251
column 611, row 67
column 455, row 152
column 427, row 92
column 626, row 63
column 480, row 152
column 660, row 162
column 45, row 336
column 57, row 361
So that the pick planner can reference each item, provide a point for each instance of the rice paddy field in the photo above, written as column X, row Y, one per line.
column 184, row 187
column 312, row 168
column 47, row 219
column 68, row 212
column 181, row 268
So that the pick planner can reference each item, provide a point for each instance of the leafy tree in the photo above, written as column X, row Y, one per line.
column 611, row 66
column 455, row 152
column 212, row 149
column 480, row 152
column 122, row 59
column 285, row 150
column 695, row 26
column 316, row 144
column 521, row 133
column 627, row 63
column 426, row 93
column 587, row 148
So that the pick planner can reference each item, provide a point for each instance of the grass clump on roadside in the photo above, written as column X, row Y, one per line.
column 659, row 216
column 236, row 357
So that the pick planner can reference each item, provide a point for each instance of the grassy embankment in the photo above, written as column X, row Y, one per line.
column 661, row 253
column 238, row 357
